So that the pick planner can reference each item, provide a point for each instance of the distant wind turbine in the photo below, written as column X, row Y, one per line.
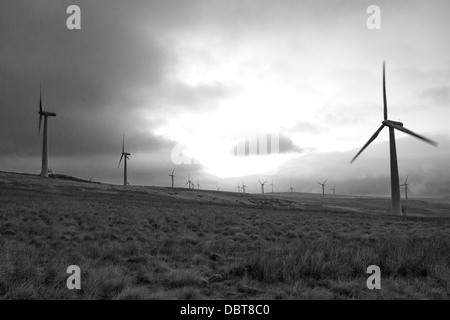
column 238, row 188
column 218, row 189
column 323, row 186
column 406, row 187
column 392, row 125
column 198, row 185
column 45, row 114
column 262, row 186
column 189, row 182
column 291, row 189
column 334, row 190
column 243, row 187
column 272, row 185
column 172, row 175
column 125, row 158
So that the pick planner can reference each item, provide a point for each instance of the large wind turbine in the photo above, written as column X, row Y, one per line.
column 45, row 114
column 323, row 186
column 125, row 158
column 262, row 186
column 392, row 125
column 172, row 175
column 406, row 187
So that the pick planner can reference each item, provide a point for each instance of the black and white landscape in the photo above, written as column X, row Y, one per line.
column 210, row 149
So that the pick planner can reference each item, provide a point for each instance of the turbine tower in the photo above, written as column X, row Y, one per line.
column 406, row 187
column 198, row 185
column 323, row 186
column 124, row 156
column 392, row 125
column 334, row 190
column 262, row 186
column 243, row 186
column 45, row 114
column 172, row 175
column 291, row 189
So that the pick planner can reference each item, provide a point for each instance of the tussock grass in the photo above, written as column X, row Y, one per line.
column 144, row 246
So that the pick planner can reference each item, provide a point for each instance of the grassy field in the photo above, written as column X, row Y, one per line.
column 161, row 243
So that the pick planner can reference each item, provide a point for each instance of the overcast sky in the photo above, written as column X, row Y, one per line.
column 204, row 76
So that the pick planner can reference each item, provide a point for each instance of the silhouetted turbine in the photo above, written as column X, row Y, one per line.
column 172, row 175
column 392, row 125
column 125, row 158
column 262, row 186
column 243, row 186
column 406, row 187
column 323, row 186
column 45, row 114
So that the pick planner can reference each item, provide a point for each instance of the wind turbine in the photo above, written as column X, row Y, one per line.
column 323, row 186
column 45, row 114
column 262, row 186
column 406, row 187
column 334, row 190
column 291, row 189
column 198, row 185
column 272, row 185
column 243, row 186
column 218, row 189
column 189, row 182
column 125, row 158
column 172, row 175
column 392, row 125
column 238, row 188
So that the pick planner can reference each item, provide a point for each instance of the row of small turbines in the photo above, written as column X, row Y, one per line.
column 392, row 125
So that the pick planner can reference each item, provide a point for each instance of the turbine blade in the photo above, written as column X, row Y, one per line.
column 406, row 179
column 375, row 135
column 173, row 170
column 40, row 120
column 40, row 100
column 120, row 160
column 318, row 182
column 418, row 136
column 325, row 181
column 384, row 91
column 123, row 143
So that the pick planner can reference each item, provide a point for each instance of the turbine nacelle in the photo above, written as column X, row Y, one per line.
column 47, row 114
column 389, row 123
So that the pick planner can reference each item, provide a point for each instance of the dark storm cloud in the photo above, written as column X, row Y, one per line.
column 90, row 77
